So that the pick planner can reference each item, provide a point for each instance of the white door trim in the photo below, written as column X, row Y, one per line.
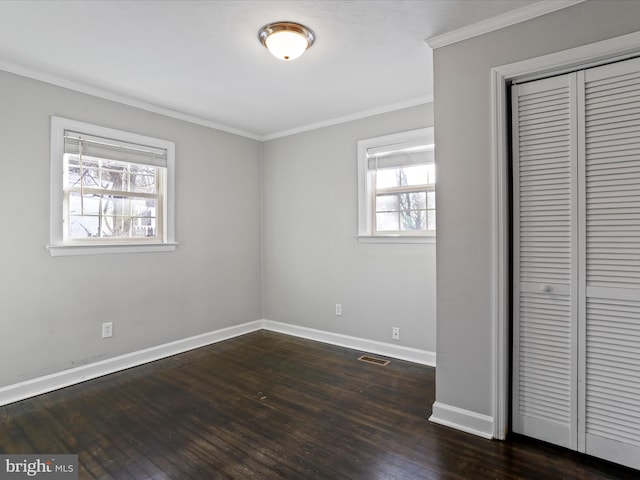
column 585, row 56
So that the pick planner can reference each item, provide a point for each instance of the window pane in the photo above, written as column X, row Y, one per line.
column 431, row 199
column 405, row 176
column 431, row 223
column 123, row 227
column 143, row 227
column 387, row 222
column 72, row 159
column 386, row 178
column 117, row 227
column 87, row 162
column 413, row 220
column 83, row 227
column 415, row 175
column 115, row 180
column 90, row 177
column 431, row 172
column 73, row 176
column 386, row 203
column 108, row 226
column 90, row 205
column 419, row 200
column 143, row 179
column 115, row 205
column 413, row 201
column 143, row 207
column 142, row 169
column 75, row 206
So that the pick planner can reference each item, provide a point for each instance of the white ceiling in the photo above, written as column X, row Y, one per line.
column 201, row 60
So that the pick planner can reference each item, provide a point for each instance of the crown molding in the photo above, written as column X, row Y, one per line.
column 117, row 97
column 106, row 94
column 348, row 118
column 501, row 21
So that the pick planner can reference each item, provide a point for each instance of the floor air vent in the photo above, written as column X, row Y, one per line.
column 374, row 360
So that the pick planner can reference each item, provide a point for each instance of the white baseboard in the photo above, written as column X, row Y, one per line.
column 461, row 419
column 414, row 355
column 65, row 378
column 54, row 381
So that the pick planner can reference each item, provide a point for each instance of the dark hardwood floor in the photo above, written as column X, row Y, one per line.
column 271, row 406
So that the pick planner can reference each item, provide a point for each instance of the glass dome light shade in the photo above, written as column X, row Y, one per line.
column 286, row 45
column 286, row 40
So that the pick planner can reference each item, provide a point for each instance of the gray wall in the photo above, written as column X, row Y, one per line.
column 464, row 377
column 312, row 259
column 51, row 309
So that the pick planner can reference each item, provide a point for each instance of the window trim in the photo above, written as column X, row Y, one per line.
column 366, row 233
column 57, row 245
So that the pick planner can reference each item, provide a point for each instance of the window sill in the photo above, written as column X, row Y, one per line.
column 68, row 250
column 428, row 239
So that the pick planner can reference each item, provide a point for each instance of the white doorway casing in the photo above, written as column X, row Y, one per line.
column 614, row 49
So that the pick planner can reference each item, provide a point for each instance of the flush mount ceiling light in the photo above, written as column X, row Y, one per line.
column 286, row 40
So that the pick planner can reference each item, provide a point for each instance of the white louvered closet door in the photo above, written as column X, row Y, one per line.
column 576, row 261
column 610, row 274
column 545, row 260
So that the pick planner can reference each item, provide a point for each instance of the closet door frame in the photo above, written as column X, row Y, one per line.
column 599, row 53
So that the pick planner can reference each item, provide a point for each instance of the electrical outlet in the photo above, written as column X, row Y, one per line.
column 107, row 330
column 338, row 310
column 395, row 333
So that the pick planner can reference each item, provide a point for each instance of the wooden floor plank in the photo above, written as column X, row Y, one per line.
column 271, row 406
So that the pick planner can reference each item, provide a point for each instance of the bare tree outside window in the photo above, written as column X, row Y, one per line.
column 405, row 199
column 111, row 199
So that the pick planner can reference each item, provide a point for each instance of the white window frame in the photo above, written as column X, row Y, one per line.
column 58, row 244
column 366, row 189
